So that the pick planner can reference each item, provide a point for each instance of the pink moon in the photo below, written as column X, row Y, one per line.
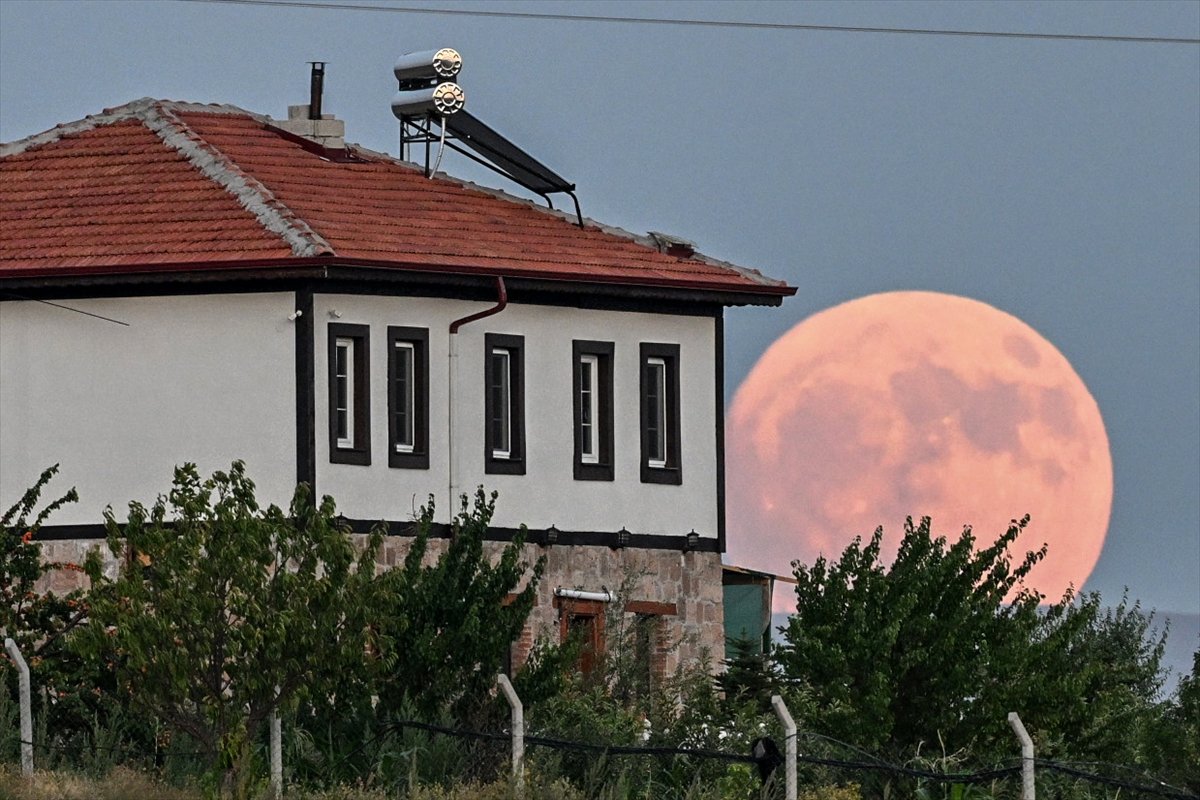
column 916, row 404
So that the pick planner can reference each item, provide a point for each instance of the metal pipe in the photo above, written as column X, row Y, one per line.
column 26, row 707
column 316, row 89
column 518, row 731
column 452, row 380
column 605, row 596
column 789, row 730
column 276, row 751
column 1028, row 785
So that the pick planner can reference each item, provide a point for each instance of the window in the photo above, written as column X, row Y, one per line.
column 504, row 404
column 592, row 390
column 349, row 394
column 660, row 413
column 582, row 621
column 408, row 397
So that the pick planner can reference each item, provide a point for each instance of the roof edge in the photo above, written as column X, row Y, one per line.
column 645, row 240
column 327, row 266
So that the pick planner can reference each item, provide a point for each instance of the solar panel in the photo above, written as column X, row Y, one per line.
column 509, row 159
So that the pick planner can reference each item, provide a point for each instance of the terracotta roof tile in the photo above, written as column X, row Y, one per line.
column 174, row 183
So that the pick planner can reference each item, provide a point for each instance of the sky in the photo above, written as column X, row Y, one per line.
column 1058, row 181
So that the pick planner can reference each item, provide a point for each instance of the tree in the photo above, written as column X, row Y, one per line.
column 902, row 656
column 936, row 649
column 35, row 620
column 223, row 611
column 751, row 675
column 444, row 630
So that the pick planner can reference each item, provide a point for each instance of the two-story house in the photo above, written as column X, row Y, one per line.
column 184, row 282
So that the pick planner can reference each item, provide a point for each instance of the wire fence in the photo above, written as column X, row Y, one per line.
column 764, row 763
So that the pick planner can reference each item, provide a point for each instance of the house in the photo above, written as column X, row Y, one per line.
column 185, row 282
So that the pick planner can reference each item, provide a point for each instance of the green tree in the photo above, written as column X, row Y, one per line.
column 751, row 675
column 35, row 620
column 444, row 629
column 927, row 648
column 223, row 611
column 934, row 650
column 1173, row 743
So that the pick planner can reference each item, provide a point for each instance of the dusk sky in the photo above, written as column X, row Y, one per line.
column 1057, row 181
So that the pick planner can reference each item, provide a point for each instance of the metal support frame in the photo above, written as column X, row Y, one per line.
column 26, row 707
column 789, row 730
column 1028, row 784
column 419, row 130
column 518, row 730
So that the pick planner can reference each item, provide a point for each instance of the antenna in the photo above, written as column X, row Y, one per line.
column 426, row 97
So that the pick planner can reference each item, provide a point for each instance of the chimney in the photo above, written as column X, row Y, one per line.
column 309, row 121
column 673, row 245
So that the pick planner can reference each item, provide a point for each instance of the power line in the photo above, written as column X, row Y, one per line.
column 704, row 23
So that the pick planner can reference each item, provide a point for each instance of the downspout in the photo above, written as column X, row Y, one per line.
column 501, row 302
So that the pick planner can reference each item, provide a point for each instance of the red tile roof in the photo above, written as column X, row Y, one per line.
column 165, row 185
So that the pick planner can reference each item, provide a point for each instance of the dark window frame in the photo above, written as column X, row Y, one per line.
column 514, row 464
column 418, row 338
column 592, row 614
column 602, row 469
column 672, row 472
column 360, row 452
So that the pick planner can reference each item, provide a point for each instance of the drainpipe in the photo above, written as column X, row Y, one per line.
column 603, row 596
column 501, row 302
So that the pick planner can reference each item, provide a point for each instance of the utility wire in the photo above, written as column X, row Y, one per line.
column 66, row 308
column 704, row 23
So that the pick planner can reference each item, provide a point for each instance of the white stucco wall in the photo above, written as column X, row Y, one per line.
column 206, row 378
column 547, row 494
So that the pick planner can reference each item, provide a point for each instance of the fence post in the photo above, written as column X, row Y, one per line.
column 276, row 752
column 518, row 731
column 789, row 730
column 1028, row 788
column 26, row 710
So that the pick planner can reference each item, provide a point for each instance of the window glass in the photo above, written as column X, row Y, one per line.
column 589, row 445
column 349, row 379
column 408, row 397
column 343, row 364
column 501, row 390
column 504, row 404
column 404, row 387
column 592, row 402
column 660, row 413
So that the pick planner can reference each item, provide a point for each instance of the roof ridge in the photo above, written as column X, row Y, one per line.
column 106, row 117
column 250, row 193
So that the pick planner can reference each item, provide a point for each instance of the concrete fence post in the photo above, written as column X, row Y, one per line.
column 518, row 731
column 26, row 708
column 789, row 730
column 1028, row 787
column 276, row 752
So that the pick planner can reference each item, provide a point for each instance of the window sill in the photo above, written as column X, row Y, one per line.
column 408, row 460
column 672, row 476
column 507, row 466
column 593, row 472
column 344, row 455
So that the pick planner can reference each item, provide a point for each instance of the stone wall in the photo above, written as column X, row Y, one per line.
column 683, row 590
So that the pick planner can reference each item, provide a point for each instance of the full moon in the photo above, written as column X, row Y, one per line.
column 916, row 404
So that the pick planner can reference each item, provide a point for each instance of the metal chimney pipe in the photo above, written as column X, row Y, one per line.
column 316, row 87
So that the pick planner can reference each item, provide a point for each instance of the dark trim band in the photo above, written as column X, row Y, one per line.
column 441, row 530
column 306, row 400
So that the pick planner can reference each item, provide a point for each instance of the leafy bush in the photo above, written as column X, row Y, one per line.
column 224, row 612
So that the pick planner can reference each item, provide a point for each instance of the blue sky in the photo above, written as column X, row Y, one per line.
column 1056, row 180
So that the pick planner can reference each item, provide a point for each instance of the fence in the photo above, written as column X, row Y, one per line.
column 765, row 756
